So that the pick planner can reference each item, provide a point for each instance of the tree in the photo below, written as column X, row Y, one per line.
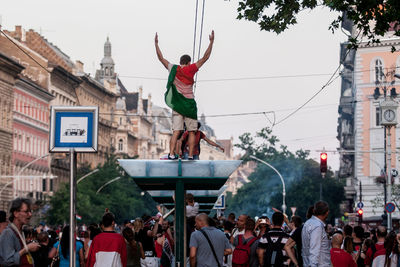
column 301, row 175
column 303, row 192
column 122, row 197
column 383, row 14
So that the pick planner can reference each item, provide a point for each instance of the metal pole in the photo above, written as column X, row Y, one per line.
column 283, row 182
column 389, row 175
column 320, row 190
column 385, row 168
column 72, row 211
column 360, row 219
column 180, row 222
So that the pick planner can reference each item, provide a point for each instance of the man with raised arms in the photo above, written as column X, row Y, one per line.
column 179, row 95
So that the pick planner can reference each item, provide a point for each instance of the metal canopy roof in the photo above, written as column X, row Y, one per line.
column 200, row 196
column 163, row 174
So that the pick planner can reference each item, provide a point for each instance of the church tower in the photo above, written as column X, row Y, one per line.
column 107, row 64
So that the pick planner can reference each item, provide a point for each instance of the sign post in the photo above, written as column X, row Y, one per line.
column 72, row 130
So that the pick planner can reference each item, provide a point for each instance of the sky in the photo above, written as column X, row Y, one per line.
column 245, row 73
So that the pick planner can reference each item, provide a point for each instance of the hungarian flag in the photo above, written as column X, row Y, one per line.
column 176, row 101
column 78, row 217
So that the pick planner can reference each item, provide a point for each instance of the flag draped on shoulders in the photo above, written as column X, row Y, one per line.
column 176, row 101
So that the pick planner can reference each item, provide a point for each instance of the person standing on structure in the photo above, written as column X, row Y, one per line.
column 179, row 95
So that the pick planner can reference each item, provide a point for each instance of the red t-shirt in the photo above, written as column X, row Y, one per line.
column 199, row 135
column 341, row 258
column 186, row 73
column 380, row 250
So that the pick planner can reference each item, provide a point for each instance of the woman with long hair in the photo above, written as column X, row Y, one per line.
column 391, row 252
column 133, row 248
column 62, row 249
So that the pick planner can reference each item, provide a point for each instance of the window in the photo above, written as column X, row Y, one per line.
column 378, row 116
column 120, row 145
column 378, row 70
column 51, row 185
column 44, row 185
column 120, row 121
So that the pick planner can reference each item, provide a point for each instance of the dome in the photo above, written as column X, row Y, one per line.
column 107, row 61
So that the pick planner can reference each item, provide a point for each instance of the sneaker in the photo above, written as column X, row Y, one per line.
column 172, row 157
column 190, row 158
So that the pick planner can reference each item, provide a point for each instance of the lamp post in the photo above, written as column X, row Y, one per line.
column 388, row 119
column 86, row 175
column 20, row 172
column 280, row 176
column 109, row 182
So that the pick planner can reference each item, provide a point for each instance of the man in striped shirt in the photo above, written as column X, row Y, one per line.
column 271, row 245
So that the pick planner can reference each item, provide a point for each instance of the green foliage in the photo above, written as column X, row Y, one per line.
column 121, row 197
column 301, row 175
column 378, row 203
column 384, row 14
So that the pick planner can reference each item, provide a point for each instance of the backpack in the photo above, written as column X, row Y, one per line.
column 241, row 254
column 273, row 255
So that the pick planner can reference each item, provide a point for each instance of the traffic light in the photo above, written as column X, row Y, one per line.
column 360, row 213
column 324, row 165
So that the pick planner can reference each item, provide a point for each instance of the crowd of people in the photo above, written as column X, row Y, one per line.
column 211, row 242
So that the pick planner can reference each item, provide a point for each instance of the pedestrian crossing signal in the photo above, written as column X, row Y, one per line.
column 323, row 162
column 360, row 212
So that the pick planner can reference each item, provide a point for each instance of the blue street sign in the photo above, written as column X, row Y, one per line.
column 360, row 205
column 389, row 207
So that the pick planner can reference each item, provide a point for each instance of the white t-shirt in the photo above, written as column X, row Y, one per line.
column 192, row 210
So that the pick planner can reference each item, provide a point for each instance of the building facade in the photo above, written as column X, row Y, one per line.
column 368, row 70
column 9, row 70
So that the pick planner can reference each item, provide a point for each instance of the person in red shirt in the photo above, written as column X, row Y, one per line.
column 196, row 151
column 108, row 248
column 339, row 257
column 184, row 110
column 371, row 254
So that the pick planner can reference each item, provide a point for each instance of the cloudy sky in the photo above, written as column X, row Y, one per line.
column 249, row 70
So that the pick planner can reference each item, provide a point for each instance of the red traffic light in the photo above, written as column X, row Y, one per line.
column 360, row 212
column 323, row 163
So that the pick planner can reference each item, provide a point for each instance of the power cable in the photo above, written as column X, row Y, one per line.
column 249, row 78
column 20, row 48
column 310, row 99
column 201, row 35
column 195, row 29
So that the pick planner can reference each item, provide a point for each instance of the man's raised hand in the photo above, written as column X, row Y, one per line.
column 156, row 39
column 212, row 36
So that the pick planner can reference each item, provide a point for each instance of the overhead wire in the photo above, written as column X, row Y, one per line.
column 330, row 80
column 195, row 29
column 201, row 35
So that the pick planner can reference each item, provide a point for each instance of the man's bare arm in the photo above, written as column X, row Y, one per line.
column 207, row 53
column 213, row 143
column 193, row 252
column 159, row 54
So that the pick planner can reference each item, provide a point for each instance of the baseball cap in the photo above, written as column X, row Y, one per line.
column 3, row 217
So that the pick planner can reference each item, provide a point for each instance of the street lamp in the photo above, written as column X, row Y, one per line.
column 388, row 119
column 20, row 172
column 109, row 182
column 86, row 175
column 280, row 176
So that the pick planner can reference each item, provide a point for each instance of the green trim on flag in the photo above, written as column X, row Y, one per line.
column 176, row 101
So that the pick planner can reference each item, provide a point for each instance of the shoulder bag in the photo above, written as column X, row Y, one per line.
column 211, row 246
column 55, row 262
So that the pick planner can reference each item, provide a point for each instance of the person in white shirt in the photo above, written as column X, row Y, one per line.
column 192, row 208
